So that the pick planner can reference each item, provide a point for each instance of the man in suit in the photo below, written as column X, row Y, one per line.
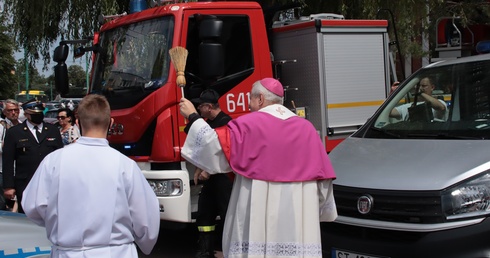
column 25, row 146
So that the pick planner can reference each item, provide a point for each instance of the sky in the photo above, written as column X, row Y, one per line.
column 40, row 63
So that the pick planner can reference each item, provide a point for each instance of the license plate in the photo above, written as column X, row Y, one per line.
column 336, row 253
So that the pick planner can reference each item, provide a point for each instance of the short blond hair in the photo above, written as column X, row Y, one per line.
column 94, row 112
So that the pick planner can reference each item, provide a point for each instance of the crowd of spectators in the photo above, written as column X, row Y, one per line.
column 12, row 113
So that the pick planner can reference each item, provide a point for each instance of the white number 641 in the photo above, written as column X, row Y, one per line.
column 237, row 103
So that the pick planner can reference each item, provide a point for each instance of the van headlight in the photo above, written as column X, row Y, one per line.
column 469, row 199
column 165, row 188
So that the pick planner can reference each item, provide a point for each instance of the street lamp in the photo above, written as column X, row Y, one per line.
column 27, row 73
column 18, row 81
column 51, row 90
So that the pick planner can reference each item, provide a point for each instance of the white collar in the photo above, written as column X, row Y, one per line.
column 9, row 122
column 278, row 111
column 31, row 125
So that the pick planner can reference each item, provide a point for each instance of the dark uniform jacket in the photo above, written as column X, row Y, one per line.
column 220, row 120
column 23, row 153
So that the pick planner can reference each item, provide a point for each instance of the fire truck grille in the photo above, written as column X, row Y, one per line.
column 416, row 207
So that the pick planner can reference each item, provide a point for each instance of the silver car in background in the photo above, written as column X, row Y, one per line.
column 19, row 237
column 418, row 185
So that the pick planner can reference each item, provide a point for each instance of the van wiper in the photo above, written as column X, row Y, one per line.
column 394, row 135
column 443, row 136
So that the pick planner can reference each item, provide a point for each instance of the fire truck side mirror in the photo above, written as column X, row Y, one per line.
column 61, row 78
column 211, row 49
column 78, row 52
column 60, row 70
column 210, row 28
column 61, row 53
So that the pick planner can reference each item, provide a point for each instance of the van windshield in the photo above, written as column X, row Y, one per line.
column 439, row 102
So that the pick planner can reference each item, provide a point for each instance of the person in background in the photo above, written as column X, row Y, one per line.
column 279, row 197
column 71, row 105
column 22, row 116
column 216, row 190
column 100, row 206
column 10, row 114
column 66, row 120
column 25, row 146
column 394, row 86
column 426, row 87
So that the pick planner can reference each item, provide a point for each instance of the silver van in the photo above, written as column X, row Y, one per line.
column 414, row 180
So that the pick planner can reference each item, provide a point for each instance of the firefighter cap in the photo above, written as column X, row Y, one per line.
column 273, row 86
column 207, row 96
column 33, row 106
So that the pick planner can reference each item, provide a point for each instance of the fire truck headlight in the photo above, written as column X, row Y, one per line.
column 163, row 188
column 469, row 199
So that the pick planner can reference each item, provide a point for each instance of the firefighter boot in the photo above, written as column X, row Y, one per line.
column 205, row 245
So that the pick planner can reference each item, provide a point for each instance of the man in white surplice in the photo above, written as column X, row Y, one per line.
column 93, row 201
column 283, row 182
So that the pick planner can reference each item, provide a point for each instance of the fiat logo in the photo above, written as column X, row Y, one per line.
column 365, row 203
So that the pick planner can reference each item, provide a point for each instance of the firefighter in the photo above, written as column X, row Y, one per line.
column 216, row 190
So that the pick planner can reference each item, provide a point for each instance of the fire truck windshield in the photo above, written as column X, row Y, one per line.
column 133, row 61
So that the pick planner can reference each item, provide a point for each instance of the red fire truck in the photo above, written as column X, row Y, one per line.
column 335, row 73
column 453, row 40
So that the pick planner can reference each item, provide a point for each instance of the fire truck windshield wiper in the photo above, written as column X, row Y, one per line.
column 125, row 80
column 443, row 136
column 128, row 75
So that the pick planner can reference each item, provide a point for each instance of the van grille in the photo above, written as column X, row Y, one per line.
column 418, row 207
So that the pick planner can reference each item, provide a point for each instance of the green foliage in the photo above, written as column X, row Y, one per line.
column 77, row 75
column 37, row 81
column 38, row 24
column 416, row 19
column 8, row 80
column 413, row 19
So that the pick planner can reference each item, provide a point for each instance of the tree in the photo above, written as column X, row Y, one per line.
column 37, row 81
column 77, row 76
column 8, row 82
column 38, row 24
column 414, row 18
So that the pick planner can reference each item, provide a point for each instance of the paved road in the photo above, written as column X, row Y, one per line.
column 175, row 243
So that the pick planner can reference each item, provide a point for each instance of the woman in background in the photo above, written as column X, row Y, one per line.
column 69, row 132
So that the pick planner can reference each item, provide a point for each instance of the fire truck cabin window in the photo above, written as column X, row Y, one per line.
column 234, row 39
